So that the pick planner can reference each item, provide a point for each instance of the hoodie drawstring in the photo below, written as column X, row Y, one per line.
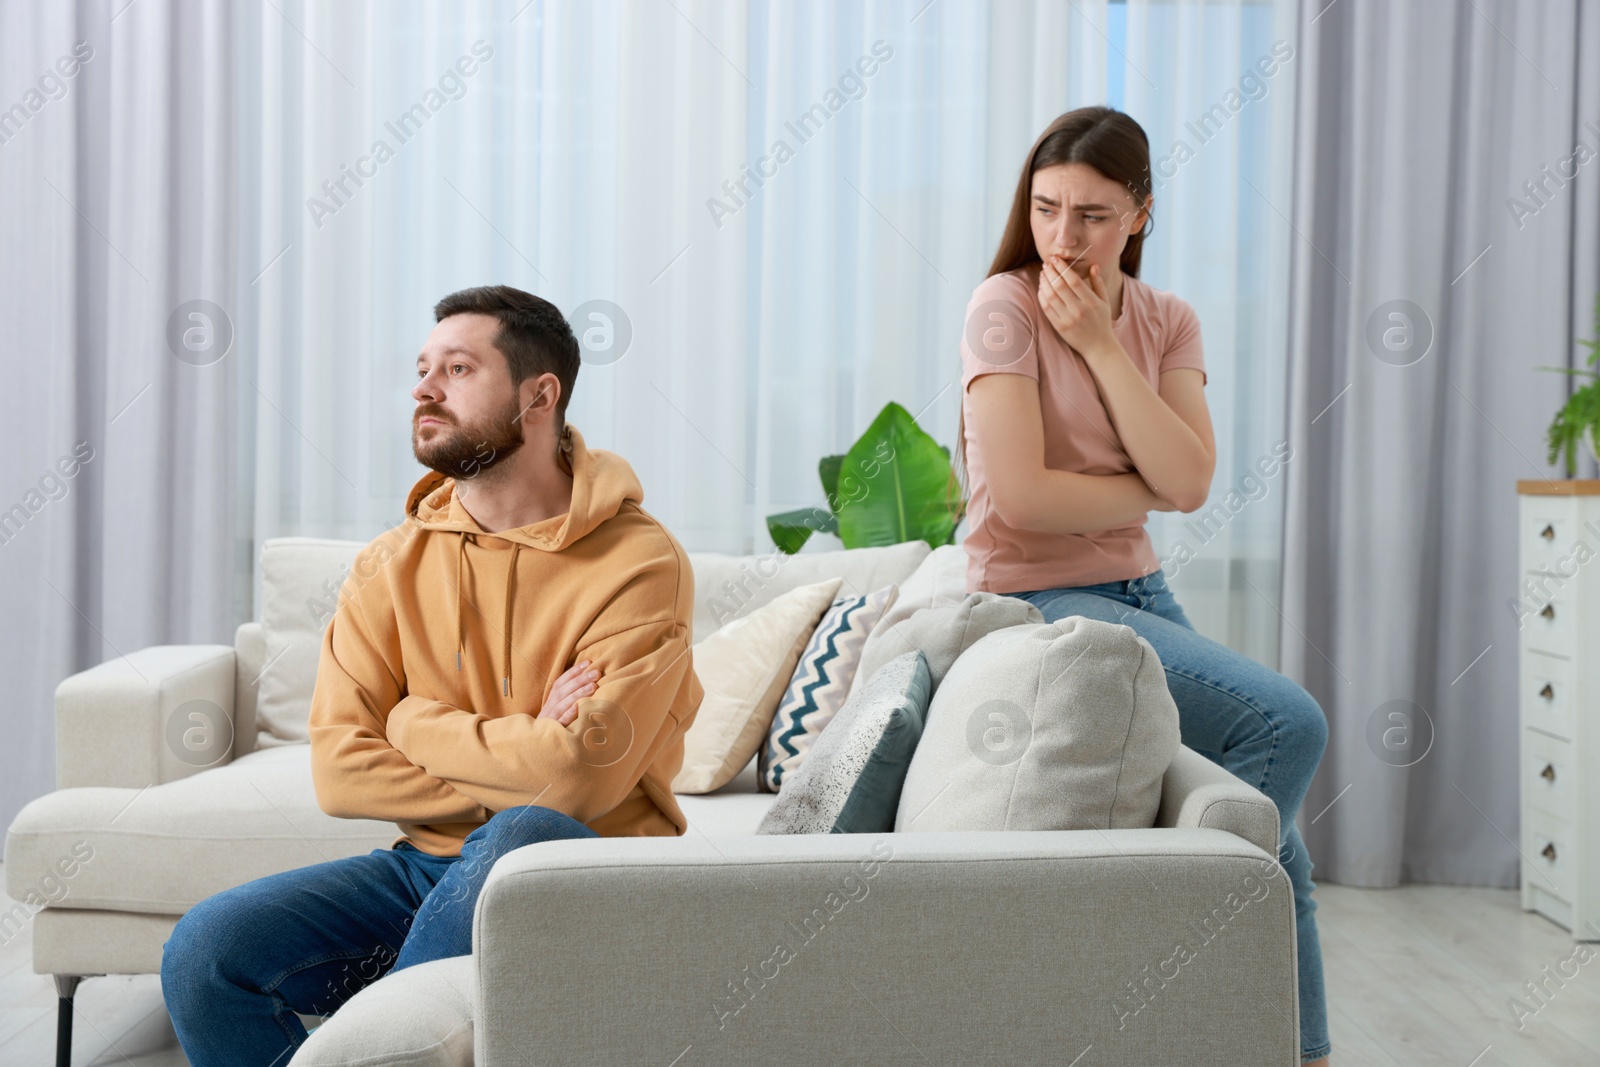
column 461, row 548
column 511, row 576
column 603, row 486
column 505, row 684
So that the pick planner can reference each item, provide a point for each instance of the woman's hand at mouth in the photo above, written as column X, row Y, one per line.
column 1078, row 308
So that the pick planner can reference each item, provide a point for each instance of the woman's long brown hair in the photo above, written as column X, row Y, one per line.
column 1106, row 139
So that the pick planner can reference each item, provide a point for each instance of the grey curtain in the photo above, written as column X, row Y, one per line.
column 117, row 509
column 1437, row 263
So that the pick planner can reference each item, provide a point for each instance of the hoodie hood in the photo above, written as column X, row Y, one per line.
column 603, row 484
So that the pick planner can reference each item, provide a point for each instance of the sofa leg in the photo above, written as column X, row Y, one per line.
column 66, row 989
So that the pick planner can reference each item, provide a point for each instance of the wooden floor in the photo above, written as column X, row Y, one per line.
column 1416, row 976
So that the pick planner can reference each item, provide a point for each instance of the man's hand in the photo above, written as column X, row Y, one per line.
column 562, row 703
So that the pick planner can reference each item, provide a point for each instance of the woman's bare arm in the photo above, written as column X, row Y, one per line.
column 1166, row 434
column 1028, row 495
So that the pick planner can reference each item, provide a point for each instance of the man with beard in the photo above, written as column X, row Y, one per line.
column 509, row 665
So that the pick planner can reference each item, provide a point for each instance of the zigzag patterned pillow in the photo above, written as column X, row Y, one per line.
column 820, row 683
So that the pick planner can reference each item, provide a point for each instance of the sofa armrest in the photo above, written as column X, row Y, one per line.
column 1004, row 947
column 1199, row 793
column 153, row 716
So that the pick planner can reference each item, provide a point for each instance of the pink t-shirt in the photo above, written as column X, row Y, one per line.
column 1158, row 330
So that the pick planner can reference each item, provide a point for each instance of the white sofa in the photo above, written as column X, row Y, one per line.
column 960, row 947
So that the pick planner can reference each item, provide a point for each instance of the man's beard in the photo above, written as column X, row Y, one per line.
column 464, row 452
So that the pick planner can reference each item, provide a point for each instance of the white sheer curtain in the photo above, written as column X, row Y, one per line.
column 872, row 239
column 777, row 297
column 574, row 162
column 1213, row 84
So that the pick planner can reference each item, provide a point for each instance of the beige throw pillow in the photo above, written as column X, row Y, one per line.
column 744, row 668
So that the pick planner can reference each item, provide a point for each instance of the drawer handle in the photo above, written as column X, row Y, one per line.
column 1548, row 612
column 1549, row 852
column 1547, row 692
column 1548, row 533
column 1549, row 772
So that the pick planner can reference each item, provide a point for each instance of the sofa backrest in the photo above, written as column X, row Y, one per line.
column 301, row 578
column 726, row 587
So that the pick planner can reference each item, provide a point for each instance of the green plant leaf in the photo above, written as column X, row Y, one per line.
column 828, row 471
column 1579, row 417
column 792, row 529
column 896, row 485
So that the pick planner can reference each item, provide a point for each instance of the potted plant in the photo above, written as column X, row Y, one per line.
column 894, row 484
column 1579, row 418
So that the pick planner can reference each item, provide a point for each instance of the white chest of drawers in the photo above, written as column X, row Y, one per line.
column 1558, row 608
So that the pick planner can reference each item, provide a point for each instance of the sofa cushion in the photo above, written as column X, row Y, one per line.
column 419, row 1017
column 820, row 683
column 726, row 587
column 300, row 582
column 1059, row 726
column 735, row 809
column 850, row 783
column 744, row 669
column 939, row 581
column 941, row 634
column 164, row 848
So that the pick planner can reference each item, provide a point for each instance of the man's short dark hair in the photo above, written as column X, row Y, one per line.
column 534, row 337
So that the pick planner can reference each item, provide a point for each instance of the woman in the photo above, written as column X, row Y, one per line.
column 1083, row 410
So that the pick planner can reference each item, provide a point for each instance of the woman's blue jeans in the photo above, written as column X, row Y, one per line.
column 1253, row 721
column 241, row 963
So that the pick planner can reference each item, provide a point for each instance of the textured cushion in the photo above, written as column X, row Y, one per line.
column 850, row 783
column 940, row 581
column 820, row 683
column 727, row 587
column 418, row 1017
column 744, row 668
column 942, row 634
column 1060, row 726
column 164, row 848
column 300, row 582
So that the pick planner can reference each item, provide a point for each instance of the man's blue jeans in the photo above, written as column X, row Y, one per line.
column 240, row 964
column 1253, row 721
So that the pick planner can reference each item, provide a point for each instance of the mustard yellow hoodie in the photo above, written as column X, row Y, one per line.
column 447, row 639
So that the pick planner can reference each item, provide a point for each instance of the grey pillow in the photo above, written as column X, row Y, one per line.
column 942, row 634
column 1060, row 726
column 850, row 780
